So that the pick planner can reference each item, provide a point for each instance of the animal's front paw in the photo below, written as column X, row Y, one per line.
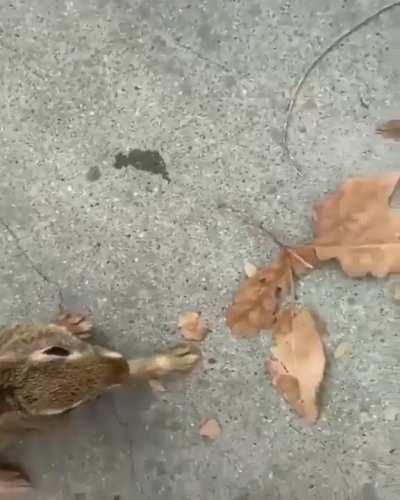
column 181, row 358
column 77, row 324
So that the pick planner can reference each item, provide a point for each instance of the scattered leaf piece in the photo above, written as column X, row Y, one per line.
column 250, row 269
column 298, row 363
column 257, row 299
column 343, row 349
column 390, row 130
column 156, row 386
column 193, row 326
column 357, row 227
column 211, row 429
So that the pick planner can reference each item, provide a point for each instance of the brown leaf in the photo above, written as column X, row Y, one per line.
column 192, row 326
column 257, row 299
column 211, row 429
column 298, row 363
column 390, row 130
column 357, row 227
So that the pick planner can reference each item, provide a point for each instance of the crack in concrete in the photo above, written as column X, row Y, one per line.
column 33, row 265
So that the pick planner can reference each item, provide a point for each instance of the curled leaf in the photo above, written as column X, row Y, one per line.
column 298, row 363
column 258, row 298
column 193, row 326
column 211, row 429
column 357, row 227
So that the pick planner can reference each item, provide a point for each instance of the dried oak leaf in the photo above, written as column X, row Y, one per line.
column 193, row 326
column 257, row 300
column 298, row 363
column 211, row 429
column 390, row 130
column 357, row 227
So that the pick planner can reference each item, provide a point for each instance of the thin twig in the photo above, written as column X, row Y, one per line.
column 272, row 236
column 260, row 225
column 292, row 293
column 313, row 65
column 300, row 259
column 200, row 56
column 295, row 255
column 32, row 264
column 250, row 222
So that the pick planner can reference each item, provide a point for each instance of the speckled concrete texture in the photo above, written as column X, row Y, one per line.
column 206, row 85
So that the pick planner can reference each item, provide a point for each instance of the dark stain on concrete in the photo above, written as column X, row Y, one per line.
column 147, row 161
column 93, row 174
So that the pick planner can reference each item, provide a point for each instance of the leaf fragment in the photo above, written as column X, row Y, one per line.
column 258, row 298
column 192, row 326
column 298, row 363
column 357, row 227
column 211, row 429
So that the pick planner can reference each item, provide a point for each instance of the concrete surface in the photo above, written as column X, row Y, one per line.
column 205, row 86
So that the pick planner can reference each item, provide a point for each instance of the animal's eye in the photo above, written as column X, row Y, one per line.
column 57, row 351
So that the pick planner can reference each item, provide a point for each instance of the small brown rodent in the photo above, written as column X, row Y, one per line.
column 50, row 369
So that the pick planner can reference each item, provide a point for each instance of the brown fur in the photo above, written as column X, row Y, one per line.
column 66, row 381
column 49, row 369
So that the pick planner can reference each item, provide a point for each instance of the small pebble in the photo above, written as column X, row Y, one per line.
column 249, row 269
column 396, row 293
column 343, row 349
column 390, row 414
column 365, row 417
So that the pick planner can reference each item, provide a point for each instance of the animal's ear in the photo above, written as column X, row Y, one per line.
column 51, row 352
